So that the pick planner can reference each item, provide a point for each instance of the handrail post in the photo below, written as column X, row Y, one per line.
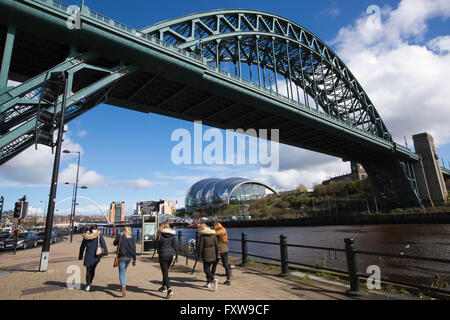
column 244, row 249
column 355, row 289
column 284, row 256
column 180, row 239
column 197, row 243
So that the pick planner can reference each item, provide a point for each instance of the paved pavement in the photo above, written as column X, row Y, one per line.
column 20, row 279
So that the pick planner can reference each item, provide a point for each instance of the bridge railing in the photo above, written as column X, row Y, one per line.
column 155, row 40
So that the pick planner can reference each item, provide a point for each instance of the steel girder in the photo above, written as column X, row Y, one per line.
column 289, row 51
column 394, row 181
column 18, row 105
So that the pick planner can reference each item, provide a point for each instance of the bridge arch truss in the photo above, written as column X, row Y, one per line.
column 264, row 48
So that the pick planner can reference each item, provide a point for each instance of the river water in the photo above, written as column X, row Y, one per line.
column 424, row 240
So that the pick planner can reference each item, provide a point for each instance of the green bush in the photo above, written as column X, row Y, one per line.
column 283, row 204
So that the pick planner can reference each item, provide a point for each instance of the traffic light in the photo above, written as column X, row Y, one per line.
column 20, row 209
column 53, row 87
column 46, row 121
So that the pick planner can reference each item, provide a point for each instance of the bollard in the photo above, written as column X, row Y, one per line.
column 244, row 249
column 355, row 289
column 197, row 243
column 180, row 236
column 284, row 256
column 137, row 235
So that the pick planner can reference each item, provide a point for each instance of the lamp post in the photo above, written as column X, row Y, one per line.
column 45, row 206
column 74, row 205
column 74, row 196
column 56, row 85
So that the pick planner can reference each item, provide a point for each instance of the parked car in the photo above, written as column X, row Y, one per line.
column 26, row 240
column 5, row 235
column 41, row 236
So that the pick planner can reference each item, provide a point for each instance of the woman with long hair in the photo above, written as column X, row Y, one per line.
column 222, row 239
column 208, row 251
column 127, row 253
column 91, row 240
column 166, row 245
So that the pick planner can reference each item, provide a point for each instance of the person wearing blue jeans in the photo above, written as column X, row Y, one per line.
column 127, row 253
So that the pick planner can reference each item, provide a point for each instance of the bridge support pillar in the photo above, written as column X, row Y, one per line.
column 7, row 54
column 422, row 184
column 424, row 146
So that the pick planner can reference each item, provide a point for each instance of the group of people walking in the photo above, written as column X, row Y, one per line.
column 211, row 248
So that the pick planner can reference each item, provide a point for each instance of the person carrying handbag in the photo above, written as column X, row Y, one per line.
column 126, row 252
column 92, row 240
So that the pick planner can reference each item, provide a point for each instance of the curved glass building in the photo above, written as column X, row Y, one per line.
column 210, row 193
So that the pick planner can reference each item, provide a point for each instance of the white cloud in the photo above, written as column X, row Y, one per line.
column 82, row 133
column 34, row 167
column 440, row 45
column 88, row 178
column 404, row 75
column 137, row 184
column 333, row 11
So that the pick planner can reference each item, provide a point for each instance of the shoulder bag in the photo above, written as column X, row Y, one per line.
column 100, row 252
column 116, row 260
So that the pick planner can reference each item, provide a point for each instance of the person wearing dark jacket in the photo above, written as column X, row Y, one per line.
column 166, row 245
column 91, row 240
column 208, row 251
column 127, row 253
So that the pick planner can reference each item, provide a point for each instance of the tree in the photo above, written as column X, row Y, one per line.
column 283, row 204
column 337, row 187
column 320, row 190
column 302, row 189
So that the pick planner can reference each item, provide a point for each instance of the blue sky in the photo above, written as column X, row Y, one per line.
column 126, row 155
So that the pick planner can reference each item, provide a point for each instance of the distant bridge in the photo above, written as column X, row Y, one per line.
column 224, row 67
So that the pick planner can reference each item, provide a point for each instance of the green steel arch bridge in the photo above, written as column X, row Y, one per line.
column 229, row 68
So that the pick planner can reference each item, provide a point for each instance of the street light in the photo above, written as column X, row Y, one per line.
column 45, row 206
column 74, row 196
column 56, row 85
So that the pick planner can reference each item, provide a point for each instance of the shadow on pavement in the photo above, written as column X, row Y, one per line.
column 109, row 289
column 118, row 288
column 182, row 282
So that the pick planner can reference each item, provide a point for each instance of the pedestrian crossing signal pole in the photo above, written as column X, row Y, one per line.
column 56, row 84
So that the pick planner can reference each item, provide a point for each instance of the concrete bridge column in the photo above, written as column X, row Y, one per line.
column 424, row 146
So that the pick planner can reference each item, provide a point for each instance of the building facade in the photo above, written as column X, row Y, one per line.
column 152, row 207
column 358, row 173
column 116, row 211
column 212, row 193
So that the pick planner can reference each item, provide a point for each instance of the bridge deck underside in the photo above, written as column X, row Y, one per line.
column 147, row 92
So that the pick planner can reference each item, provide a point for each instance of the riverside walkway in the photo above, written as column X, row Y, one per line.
column 20, row 279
